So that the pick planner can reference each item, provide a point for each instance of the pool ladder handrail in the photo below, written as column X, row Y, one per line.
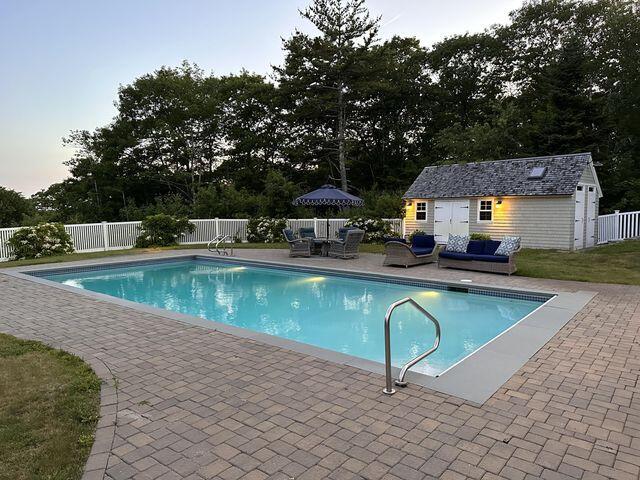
column 389, row 390
column 219, row 239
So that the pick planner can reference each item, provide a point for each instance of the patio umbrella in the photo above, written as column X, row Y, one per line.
column 328, row 196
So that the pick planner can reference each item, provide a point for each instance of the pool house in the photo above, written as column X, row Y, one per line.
column 550, row 202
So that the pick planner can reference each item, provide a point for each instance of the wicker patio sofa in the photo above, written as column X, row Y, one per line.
column 347, row 248
column 298, row 247
column 423, row 249
column 480, row 256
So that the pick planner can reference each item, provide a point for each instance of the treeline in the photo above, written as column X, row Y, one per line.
column 347, row 108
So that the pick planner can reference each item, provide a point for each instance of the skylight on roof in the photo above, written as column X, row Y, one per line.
column 537, row 173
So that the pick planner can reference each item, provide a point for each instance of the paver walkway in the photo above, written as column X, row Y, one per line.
column 193, row 403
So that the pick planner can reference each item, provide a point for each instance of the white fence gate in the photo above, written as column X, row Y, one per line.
column 618, row 226
column 98, row 237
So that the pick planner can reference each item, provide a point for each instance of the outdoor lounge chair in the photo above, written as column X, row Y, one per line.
column 347, row 248
column 402, row 255
column 298, row 247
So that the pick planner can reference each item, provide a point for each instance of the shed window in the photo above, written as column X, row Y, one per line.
column 485, row 210
column 421, row 210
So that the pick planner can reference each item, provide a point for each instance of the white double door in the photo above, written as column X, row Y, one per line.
column 585, row 214
column 450, row 217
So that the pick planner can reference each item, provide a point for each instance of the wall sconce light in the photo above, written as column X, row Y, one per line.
column 499, row 202
column 407, row 203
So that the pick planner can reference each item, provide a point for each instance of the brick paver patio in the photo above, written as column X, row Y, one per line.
column 194, row 403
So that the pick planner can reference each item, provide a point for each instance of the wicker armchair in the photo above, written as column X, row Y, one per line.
column 298, row 247
column 347, row 248
column 400, row 254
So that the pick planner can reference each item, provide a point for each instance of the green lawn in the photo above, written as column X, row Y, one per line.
column 614, row 263
column 49, row 406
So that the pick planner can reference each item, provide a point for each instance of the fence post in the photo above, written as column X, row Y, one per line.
column 315, row 225
column 105, row 235
column 403, row 227
column 217, row 226
column 616, row 224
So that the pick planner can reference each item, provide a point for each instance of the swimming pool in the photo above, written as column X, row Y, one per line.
column 339, row 312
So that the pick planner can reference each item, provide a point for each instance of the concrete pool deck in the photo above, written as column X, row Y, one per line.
column 194, row 403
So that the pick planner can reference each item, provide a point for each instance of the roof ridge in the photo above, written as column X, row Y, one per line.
column 521, row 159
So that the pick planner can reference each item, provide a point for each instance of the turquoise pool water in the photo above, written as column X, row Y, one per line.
column 329, row 311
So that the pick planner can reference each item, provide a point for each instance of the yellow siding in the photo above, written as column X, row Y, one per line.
column 410, row 222
column 541, row 222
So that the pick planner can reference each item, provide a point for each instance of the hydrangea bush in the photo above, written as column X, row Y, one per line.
column 265, row 229
column 376, row 229
column 163, row 230
column 43, row 240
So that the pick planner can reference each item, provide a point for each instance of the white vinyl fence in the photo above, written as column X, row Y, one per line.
column 618, row 226
column 98, row 237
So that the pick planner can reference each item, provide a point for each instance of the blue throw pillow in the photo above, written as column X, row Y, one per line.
column 490, row 247
column 508, row 246
column 458, row 243
column 476, row 247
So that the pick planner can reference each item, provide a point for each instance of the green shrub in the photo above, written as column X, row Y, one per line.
column 480, row 236
column 414, row 233
column 265, row 229
column 162, row 230
column 375, row 229
column 43, row 240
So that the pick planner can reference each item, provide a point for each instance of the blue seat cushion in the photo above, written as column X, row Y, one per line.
column 476, row 247
column 456, row 255
column 491, row 258
column 424, row 241
column 421, row 250
column 490, row 247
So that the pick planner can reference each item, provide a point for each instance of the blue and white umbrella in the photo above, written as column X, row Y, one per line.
column 328, row 196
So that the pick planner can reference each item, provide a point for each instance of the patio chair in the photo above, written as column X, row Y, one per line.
column 347, row 248
column 402, row 255
column 298, row 247
column 307, row 232
column 342, row 232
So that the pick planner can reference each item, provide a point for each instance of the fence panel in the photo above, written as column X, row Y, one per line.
column 618, row 226
column 122, row 235
column 88, row 237
column 5, row 235
column 235, row 227
column 629, row 225
column 607, row 228
column 204, row 232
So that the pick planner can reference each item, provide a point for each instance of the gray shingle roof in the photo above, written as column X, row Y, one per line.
column 501, row 178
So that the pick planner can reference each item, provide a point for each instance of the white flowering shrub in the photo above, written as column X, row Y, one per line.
column 375, row 229
column 162, row 230
column 265, row 229
column 43, row 240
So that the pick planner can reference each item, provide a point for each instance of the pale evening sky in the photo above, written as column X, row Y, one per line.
column 63, row 61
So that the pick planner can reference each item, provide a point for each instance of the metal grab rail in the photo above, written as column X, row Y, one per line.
column 389, row 390
column 218, row 240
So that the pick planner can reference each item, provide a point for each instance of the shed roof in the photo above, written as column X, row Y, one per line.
column 502, row 177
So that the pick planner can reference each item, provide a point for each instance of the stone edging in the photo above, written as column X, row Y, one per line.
column 96, row 465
